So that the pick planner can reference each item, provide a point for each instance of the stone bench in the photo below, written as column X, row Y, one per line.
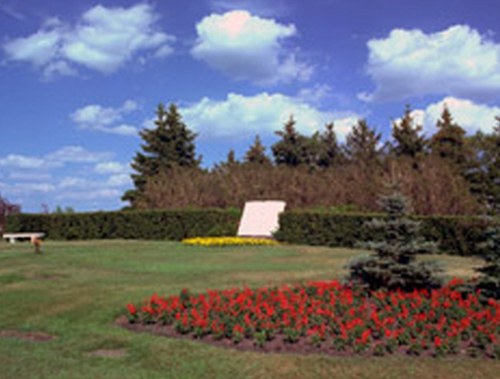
column 13, row 237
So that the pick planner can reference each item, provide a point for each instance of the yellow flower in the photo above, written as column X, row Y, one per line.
column 229, row 241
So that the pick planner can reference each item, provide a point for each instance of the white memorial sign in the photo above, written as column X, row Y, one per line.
column 260, row 218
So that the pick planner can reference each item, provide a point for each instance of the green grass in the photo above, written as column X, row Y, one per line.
column 75, row 290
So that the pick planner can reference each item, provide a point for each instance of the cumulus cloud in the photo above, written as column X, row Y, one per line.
column 74, row 154
column 248, row 47
column 263, row 113
column 98, row 194
column 111, row 167
column 58, row 158
column 66, row 174
column 21, row 161
column 262, row 7
column 103, row 39
column 458, row 61
column 105, row 119
column 471, row 116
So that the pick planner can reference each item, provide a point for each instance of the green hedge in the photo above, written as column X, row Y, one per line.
column 455, row 234
column 157, row 225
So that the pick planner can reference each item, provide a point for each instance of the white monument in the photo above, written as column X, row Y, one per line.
column 260, row 218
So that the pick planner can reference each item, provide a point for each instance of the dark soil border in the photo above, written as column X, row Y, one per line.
column 279, row 345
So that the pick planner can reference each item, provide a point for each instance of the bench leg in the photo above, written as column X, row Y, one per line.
column 12, row 240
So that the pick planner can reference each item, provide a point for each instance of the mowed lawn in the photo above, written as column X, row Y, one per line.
column 75, row 290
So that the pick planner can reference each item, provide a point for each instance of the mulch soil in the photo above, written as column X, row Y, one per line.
column 276, row 345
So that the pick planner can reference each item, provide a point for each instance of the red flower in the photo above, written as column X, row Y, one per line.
column 238, row 329
column 131, row 308
column 437, row 341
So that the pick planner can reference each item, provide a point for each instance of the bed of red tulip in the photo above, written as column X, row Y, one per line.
column 437, row 322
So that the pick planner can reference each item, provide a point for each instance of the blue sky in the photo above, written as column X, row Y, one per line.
column 79, row 79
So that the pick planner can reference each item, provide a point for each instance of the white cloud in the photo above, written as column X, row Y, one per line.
column 471, row 116
column 119, row 180
column 248, row 47
column 30, row 176
column 73, row 182
column 74, row 154
column 458, row 61
column 58, row 158
column 90, row 195
column 263, row 113
column 21, row 161
column 104, row 119
column 28, row 188
column 110, row 167
column 262, row 7
column 103, row 39
column 68, row 173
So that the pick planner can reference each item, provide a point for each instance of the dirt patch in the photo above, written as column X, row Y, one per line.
column 108, row 353
column 26, row 336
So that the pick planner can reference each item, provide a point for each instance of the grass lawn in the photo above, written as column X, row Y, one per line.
column 75, row 290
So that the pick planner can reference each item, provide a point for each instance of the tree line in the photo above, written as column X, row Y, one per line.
column 446, row 173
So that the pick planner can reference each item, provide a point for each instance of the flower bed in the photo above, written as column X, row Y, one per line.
column 229, row 241
column 330, row 317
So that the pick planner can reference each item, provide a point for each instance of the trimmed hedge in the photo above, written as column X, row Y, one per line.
column 456, row 235
column 153, row 225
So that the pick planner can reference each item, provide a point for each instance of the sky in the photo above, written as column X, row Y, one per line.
column 79, row 79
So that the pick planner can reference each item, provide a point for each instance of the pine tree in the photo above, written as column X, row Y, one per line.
column 393, row 266
column 256, row 154
column 170, row 143
column 362, row 143
column 329, row 152
column 449, row 141
column 292, row 149
column 489, row 284
column 407, row 138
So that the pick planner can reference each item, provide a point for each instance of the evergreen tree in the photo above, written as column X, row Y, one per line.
column 169, row 143
column 362, row 143
column 393, row 266
column 256, row 154
column 231, row 160
column 328, row 149
column 449, row 141
column 407, row 138
column 489, row 284
column 292, row 149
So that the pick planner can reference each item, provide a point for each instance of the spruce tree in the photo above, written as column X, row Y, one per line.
column 256, row 154
column 489, row 250
column 362, row 143
column 449, row 141
column 169, row 144
column 329, row 151
column 407, row 138
column 292, row 149
column 393, row 266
